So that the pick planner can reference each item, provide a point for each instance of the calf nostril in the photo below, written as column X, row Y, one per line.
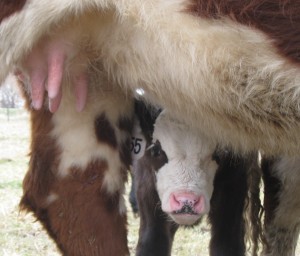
column 187, row 203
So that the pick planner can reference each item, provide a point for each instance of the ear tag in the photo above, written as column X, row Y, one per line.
column 138, row 142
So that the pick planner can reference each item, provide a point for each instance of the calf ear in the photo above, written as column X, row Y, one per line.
column 147, row 115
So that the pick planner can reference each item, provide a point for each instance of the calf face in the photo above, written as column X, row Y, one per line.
column 184, row 167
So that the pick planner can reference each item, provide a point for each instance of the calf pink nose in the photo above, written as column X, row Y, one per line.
column 179, row 201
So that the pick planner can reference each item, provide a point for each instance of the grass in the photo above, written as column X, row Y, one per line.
column 21, row 235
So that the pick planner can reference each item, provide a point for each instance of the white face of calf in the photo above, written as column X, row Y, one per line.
column 184, row 170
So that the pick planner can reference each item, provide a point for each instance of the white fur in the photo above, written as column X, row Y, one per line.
column 75, row 132
column 190, row 167
column 52, row 197
column 223, row 78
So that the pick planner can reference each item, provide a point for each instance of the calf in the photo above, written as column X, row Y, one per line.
column 189, row 192
column 77, row 170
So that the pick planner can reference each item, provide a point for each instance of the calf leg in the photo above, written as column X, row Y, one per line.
column 156, row 232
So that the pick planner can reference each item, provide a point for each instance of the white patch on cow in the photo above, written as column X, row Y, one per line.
column 190, row 167
column 52, row 197
column 75, row 132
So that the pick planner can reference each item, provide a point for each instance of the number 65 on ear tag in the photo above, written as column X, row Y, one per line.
column 138, row 142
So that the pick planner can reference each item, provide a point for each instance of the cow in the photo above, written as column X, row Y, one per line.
column 227, row 69
column 229, row 182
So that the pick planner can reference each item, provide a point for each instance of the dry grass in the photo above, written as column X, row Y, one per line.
column 20, row 234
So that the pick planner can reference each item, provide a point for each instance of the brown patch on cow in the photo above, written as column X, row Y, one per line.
column 84, row 219
column 43, row 157
column 104, row 131
column 9, row 7
column 125, row 124
column 279, row 19
column 125, row 154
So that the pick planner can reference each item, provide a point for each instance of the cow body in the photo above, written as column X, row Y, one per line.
column 232, row 75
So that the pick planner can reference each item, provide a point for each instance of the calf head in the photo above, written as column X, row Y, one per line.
column 182, row 160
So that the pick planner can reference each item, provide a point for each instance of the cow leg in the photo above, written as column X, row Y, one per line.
column 282, row 205
column 227, row 206
column 78, row 167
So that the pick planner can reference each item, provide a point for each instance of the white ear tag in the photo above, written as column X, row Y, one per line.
column 138, row 142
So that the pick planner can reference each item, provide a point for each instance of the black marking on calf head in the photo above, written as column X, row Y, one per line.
column 186, row 209
column 156, row 156
column 104, row 131
column 147, row 115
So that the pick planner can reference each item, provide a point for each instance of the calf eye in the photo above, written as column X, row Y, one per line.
column 155, row 149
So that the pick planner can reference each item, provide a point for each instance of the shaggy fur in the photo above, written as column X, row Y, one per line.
column 75, row 182
column 225, row 75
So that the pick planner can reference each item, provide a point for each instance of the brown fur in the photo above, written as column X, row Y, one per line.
column 104, row 131
column 125, row 125
column 279, row 19
column 9, row 7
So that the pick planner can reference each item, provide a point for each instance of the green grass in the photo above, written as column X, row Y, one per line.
column 21, row 235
